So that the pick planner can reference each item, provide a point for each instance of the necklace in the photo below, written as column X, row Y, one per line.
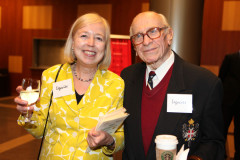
column 79, row 78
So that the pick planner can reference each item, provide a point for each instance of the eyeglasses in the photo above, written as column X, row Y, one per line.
column 152, row 33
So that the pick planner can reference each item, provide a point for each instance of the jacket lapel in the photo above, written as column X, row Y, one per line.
column 137, row 86
column 94, row 90
column 167, row 122
column 70, row 100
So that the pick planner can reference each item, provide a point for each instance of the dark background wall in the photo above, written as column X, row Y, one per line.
column 19, row 42
column 16, row 41
column 215, row 41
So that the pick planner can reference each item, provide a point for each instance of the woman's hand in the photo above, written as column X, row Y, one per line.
column 100, row 138
column 22, row 106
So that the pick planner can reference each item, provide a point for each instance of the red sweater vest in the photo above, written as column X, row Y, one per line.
column 152, row 101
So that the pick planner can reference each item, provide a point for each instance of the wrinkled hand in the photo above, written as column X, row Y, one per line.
column 22, row 106
column 98, row 138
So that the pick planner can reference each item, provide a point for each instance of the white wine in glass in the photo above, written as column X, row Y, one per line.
column 30, row 92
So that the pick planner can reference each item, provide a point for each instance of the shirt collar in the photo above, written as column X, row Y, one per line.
column 161, row 70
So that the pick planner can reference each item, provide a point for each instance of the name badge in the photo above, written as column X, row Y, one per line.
column 62, row 88
column 179, row 103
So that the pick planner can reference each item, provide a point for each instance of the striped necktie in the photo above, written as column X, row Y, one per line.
column 150, row 79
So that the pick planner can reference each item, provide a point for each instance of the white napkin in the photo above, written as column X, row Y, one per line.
column 182, row 154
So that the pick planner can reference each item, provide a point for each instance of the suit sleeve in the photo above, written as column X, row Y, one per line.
column 39, row 117
column 224, row 68
column 118, row 136
column 212, row 144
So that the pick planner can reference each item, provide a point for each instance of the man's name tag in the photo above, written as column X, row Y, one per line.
column 62, row 88
column 179, row 103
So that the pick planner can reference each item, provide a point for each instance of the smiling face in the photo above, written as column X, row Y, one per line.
column 89, row 44
column 152, row 51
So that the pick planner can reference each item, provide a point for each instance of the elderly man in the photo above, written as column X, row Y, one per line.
column 166, row 95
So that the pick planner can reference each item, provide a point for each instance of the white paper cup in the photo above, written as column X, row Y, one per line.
column 166, row 146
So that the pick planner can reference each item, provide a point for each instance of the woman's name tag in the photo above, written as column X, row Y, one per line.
column 62, row 88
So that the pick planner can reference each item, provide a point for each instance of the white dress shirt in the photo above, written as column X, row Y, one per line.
column 160, row 71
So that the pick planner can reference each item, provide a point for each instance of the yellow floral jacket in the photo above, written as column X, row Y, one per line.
column 69, row 123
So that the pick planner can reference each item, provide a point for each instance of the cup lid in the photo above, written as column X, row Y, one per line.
column 164, row 139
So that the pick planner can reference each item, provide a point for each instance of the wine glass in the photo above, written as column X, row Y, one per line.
column 30, row 93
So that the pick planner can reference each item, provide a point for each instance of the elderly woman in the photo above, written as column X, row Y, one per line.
column 94, row 91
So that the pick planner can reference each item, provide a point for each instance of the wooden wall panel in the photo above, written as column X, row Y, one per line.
column 37, row 17
column 213, row 68
column 0, row 17
column 16, row 41
column 216, row 43
column 145, row 6
column 123, row 13
column 231, row 16
column 15, row 64
column 105, row 10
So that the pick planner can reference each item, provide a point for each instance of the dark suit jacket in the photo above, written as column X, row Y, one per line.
column 230, row 76
column 186, row 78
